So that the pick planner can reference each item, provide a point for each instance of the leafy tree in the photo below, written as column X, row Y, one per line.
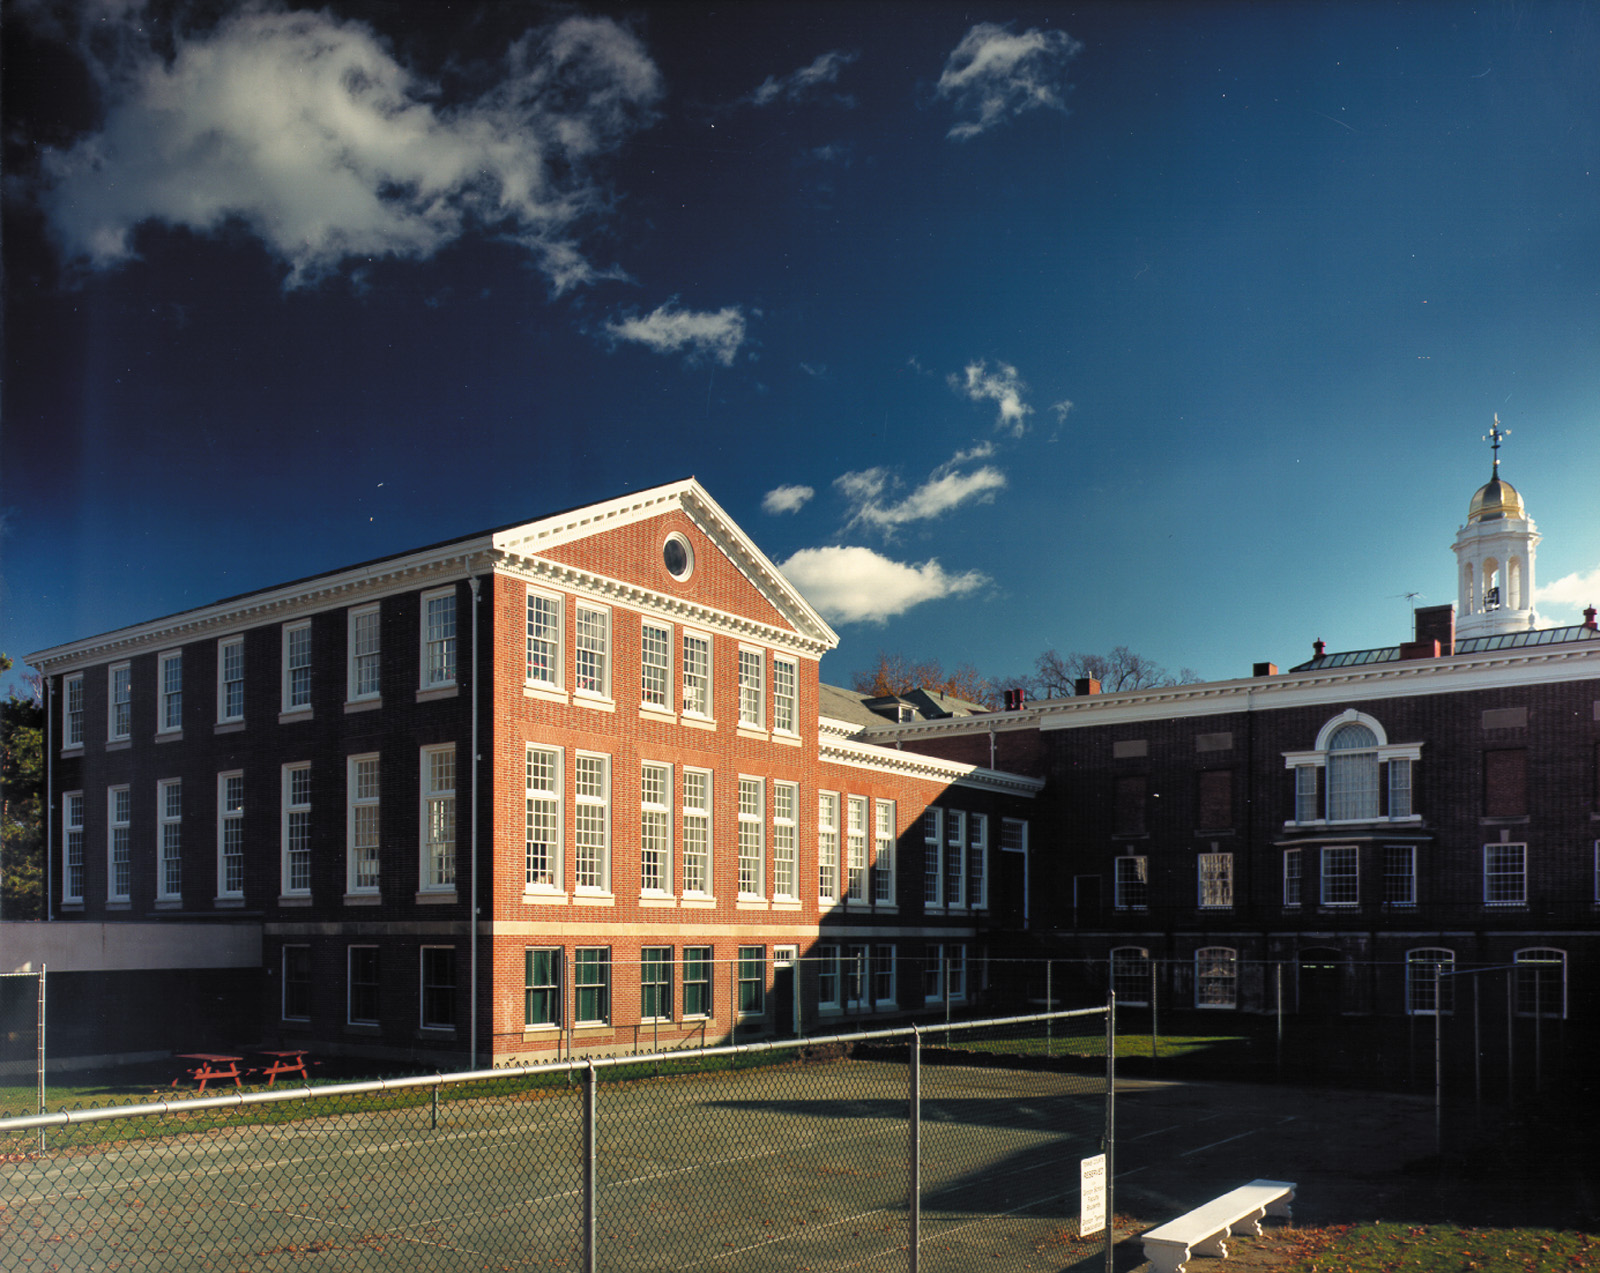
column 21, row 803
column 1056, row 674
column 896, row 674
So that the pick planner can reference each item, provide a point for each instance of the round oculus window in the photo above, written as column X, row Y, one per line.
column 677, row 556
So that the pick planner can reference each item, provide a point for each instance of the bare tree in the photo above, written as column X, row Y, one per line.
column 897, row 674
column 1056, row 674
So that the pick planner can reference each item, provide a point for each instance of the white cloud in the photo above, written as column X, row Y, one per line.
column 666, row 330
column 306, row 129
column 1002, row 386
column 797, row 84
column 786, row 499
column 857, row 585
column 1570, row 592
column 1061, row 408
column 947, row 488
column 994, row 75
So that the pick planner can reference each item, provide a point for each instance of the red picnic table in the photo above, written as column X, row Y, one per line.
column 208, row 1067
column 282, row 1061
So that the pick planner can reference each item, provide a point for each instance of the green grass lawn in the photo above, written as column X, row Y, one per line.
column 1129, row 1046
column 1402, row 1248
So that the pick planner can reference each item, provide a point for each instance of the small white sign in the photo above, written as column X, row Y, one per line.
column 1091, row 1195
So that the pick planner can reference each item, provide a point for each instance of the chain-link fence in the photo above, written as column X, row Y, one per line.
column 921, row 1149
column 22, row 1030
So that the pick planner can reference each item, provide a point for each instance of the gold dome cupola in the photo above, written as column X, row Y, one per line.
column 1494, row 554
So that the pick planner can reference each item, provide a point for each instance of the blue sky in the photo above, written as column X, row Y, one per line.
column 1001, row 328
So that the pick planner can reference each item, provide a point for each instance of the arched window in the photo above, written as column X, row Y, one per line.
column 1430, row 988
column 1542, row 982
column 1130, row 976
column 1216, row 977
column 1352, row 774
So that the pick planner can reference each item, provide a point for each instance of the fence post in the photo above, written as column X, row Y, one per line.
column 39, row 1031
column 1438, row 1065
column 1278, row 968
column 733, row 1001
column 1049, row 1007
column 589, row 1253
column 433, row 1117
column 1155, row 1030
column 1511, row 1042
column 1111, row 1128
column 914, row 1116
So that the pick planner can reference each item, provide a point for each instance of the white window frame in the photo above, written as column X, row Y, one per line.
column 701, row 960
column 1420, row 981
column 552, row 988
column 439, row 648
column 1332, row 881
column 1398, row 775
column 1521, row 874
column 350, row 984
column 1316, row 809
column 1400, row 886
column 885, row 837
column 1214, row 881
column 752, row 819
column 655, row 829
column 364, row 658
column 752, row 687
column 978, row 861
column 230, row 833
column 786, row 841
column 230, row 648
column 785, row 696
column 1293, row 879
column 829, row 983
column 544, row 807
column 438, row 828
column 74, row 869
column 119, row 843
column 697, row 667
column 661, row 958
column 695, row 830
column 955, row 971
column 169, row 685
column 855, row 845
column 591, row 823
column 591, row 651
column 1211, row 979
column 955, row 859
column 544, row 639
column 119, row 702
column 746, row 959
column 295, row 813
column 655, row 665
column 296, row 700
column 579, row 966
column 1122, row 886
column 933, row 857
column 1540, row 957
column 828, row 847
column 363, row 777
column 169, row 840
column 880, row 968
column 933, row 973
column 72, row 715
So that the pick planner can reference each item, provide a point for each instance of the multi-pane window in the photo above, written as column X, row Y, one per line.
column 1013, row 835
column 543, row 827
column 1430, row 989
column 296, row 666
column 591, row 831
column 439, row 816
column 1341, row 876
column 438, row 987
column 785, row 840
column 1130, row 976
column 752, row 837
column 1216, row 977
column 884, row 834
column 1131, row 884
column 828, row 976
column 1305, row 793
column 119, row 858
column 230, row 679
column 544, row 639
column 365, row 630
column 955, row 858
column 955, row 965
column 169, row 839
column 883, row 974
column 655, row 661
column 1352, row 774
column 230, row 835
column 752, row 980
column 855, row 843
column 978, row 861
column 72, row 711
column 297, row 983
column 933, row 973
column 827, row 846
column 1400, row 788
column 655, row 829
column 696, row 674
column 932, row 861
column 855, row 977
column 439, row 639
column 297, row 829
column 361, row 985
column 591, row 985
column 697, row 981
column 655, row 983
column 697, row 832
column 784, row 700
column 171, row 673
column 1291, row 877
column 752, row 688
column 119, row 722
column 1505, row 881
column 592, row 651
column 1216, row 881
column 72, row 868
column 1400, row 874
column 1541, row 982
column 362, row 823
column 541, row 987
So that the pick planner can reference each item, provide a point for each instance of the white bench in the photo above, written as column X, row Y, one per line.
column 1203, row 1231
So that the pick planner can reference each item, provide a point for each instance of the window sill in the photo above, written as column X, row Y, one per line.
column 362, row 899
column 435, row 897
column 594, row 702
column 298, row 899
column 583, row 897
column 697, row 722
column 786, row 740
column 753, row 732
column 73, row 907
column 294, row 715
column 657, row 712
column 698, row 902
column 228, row 727
column 787, row 904
column 436, row 1032
column 228, row 903
column 545, row 1030
column 362, row 705
column 119, row 904
column 169, row 903
column 119, row 744
column 437, row 693
column 362, row 1029
column 68, row 753
column 546, row 693
column 657, row 901
column 169, row 736
column 1514, row 820
column 751, row 904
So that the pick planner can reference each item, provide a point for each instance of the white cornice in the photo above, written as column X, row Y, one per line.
column 912, row 764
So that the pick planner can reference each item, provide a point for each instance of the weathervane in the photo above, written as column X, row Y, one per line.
column 1493, row 437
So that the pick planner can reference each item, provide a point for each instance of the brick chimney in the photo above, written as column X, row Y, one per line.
column 1588, row 619
column 1318, row 647
column 1435, row 623
column 1264, row 669
column 1085, row 685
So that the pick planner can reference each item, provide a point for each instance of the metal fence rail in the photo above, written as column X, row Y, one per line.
column 800, row 1154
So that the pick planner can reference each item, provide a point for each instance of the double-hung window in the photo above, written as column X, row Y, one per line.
column 827, row 847
column 296, row 879
column 361, row 820
column 855, row 843
column 1216, row 977
column 1341, row 876
column 696, row 674
column 883, row 992
column 119, row 858
column 171, row 672
column 697, row 998
column 752, row 838
column 543, row 818
column 297, row 983
column 697, row 832
column 365, row 653
column 591, row 840
column 1505, row 880
column 655, row 829
column 1291, row 877
column 438, row 987
column 1430, row 985
column 541, row 987
column 1399, row 875
column 297, row 666
column 230, row 680
column 230, row 835
column 1130, row 976
column 72, row 866
column 784, row 696
column 592, row 652
column 828, row 978
column 119, row 720
column 1216, row 881
column 438, row 639
column 72, row 711
column 978, row 862
column 752, row 688
column 544, row 640
column 785, row 840
column 1131, row 884
column 933, row 982
column 591, row 985
column 955, row 860
column 439, row 817
column 655, row 983
column 169, row 840
column 361, row 985
column 655, row 664
column 752, row 980
column 883, row 852
column 933, row 860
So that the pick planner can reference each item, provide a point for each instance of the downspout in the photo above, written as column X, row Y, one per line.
column 49, row 799
column 472, row 956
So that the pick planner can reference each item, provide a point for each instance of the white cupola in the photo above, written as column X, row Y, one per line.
column 1494, row 558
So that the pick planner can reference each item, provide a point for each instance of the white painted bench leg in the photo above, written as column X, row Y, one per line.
column 1280, row 1207
column 1250, row 1224
column 1166, row 1257
column 1215, row 1245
